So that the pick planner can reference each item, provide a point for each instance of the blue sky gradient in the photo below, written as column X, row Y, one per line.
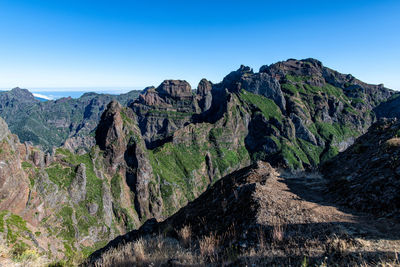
column 52, row 44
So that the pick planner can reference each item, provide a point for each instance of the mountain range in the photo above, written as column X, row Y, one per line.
column 291, row 146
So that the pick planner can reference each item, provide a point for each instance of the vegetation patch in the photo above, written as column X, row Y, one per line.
column 26, row 165
column 116, row 186
column 94, row 185
column 267, row 106
column 170, row 113
column 334, row 131
column 293, row 154
column 174, row 164
column 60, row 175
column 123, row 216
column 125, row 118
column 68, row 233
column 313, row 152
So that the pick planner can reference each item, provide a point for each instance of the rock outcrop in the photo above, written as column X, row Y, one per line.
column 109, row 134
column 204, row 95
column 165, row 109
column 265, row 85
column 14, row 183
column 77, row 189
column 175, row 88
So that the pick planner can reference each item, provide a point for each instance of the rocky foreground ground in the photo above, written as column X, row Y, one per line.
column 260, row 216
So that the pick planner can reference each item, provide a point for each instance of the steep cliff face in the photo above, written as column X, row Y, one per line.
column 204, row 95
column 64, row 204
column 125, row 151
column 14, row 183
column 199, row 154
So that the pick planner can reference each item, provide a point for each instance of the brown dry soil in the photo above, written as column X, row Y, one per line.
column 301, row 201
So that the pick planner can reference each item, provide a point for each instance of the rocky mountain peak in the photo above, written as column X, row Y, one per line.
column 22, row 94
column 204, row 87
column 204, row 94
column 305, row 68
column 109, row 132
column 175, row 89
column 230, row 81
column 166, row 94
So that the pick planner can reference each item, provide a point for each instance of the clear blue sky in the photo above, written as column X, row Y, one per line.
column 72, row 43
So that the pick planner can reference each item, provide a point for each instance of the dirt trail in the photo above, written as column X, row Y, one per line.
column 307, row 194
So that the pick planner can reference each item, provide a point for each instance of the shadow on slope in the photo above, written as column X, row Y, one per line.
column 252, row 215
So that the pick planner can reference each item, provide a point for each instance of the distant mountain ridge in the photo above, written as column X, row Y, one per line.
column 51, row 123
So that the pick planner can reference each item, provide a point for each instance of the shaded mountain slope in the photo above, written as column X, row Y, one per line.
column 389, row 108
column 254, row 217
column 51, row 123
column 367, row 175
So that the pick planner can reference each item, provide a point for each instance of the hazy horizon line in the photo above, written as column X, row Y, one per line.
column 76, row 88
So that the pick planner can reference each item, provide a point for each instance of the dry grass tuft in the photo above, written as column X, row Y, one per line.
column 393, row 142
column 149, row 251
column 278, row 232
column 209, row 246
column 185, row 235
column 261, row 238
column 138, row 250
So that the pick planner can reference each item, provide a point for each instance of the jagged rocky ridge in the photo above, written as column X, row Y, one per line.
column 293, row 114
column 54, row 123
column 168, row 149
column 300, row 112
